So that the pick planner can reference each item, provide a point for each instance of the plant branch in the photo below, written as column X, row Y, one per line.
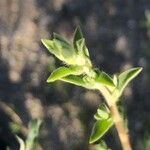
column 111, row 101
column 123, row 135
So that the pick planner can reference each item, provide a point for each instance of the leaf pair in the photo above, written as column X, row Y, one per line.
column 102, row 125
column 63, row 73
column 75, row 53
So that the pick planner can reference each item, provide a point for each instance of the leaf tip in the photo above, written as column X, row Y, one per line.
column 43, row 40
column 91, row 141
column 139, row 69
column 49, row 80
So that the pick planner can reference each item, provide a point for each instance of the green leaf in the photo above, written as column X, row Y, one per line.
column 97, row 117
column 102, row 113
column 49, row 44
column 34, row 128
column 77, row 36
column 21, row 142
column 65, row 50
column 104, row 79
column 77, row 80
column 63, row 72
column 125, row 77
column 60, row 38
column 99, row 129
column 81, row 47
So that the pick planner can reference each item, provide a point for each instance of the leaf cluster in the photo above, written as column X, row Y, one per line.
column 79, row 71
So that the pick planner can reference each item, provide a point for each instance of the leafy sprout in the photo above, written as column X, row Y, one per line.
column 80, row 71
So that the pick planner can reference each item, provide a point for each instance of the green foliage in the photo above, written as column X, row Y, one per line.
column 63, row 72
column 102, row 113
column 105, row 79
column 100, row 128
column 31, row 141
column 79, row 71
column 125, row 77
column 103, row 123
column 14, row 127
column 77, row 36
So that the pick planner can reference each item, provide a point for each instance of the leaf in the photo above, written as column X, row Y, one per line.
column 81, row 47
column 97, row 117
column 62, row 72
column 99, row 129
column 34, row 128
column 65, row 50
column 60, row 38
column 103, row 114
column 125, row 77
column 21, row 142
column 77, row 36
column 49, row 44
column 104, row 79
column 77, row 80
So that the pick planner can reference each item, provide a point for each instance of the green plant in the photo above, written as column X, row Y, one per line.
column 78, row 70
column 31, row 142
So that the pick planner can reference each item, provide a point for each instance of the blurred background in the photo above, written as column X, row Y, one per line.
column 118, row 37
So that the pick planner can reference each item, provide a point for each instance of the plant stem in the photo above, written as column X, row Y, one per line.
column 110, row 99
column 124, row 138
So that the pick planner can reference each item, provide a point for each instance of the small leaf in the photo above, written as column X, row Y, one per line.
column 99, row 129
column 115, row 79
column 104, row 79
column 65, row 50
column 77, row 36
column 49, row 44
column 81, row 47
column 60, row 38
column 97, row 117
column 34, row 128
column 103, row 114
column 125, row 77
column 62, row 72
column 77, row 80
column 21, row 142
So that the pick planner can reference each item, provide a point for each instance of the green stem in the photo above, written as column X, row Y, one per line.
column 111, row 101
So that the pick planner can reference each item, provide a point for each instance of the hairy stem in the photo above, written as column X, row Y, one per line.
column 110, row 99
column 124, row 138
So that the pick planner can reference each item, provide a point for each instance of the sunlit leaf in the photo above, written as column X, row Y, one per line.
column 62, row 72
column 21, row 142
column 103, row 114
column 81, row 47
column 49, row 44
column 60, row 38
column 77, row 36
column 34, row 128
column 99, row 129
column 104, row 79
column 77, row 80
column 97, row 117
column 125, row 77
column 66, row 52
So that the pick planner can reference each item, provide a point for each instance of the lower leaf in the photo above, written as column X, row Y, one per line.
column 99, row 129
